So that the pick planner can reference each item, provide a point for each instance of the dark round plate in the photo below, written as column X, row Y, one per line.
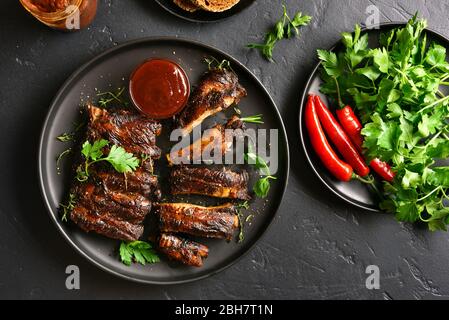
column 111, row 70
column 353, row 192
column 201, row 15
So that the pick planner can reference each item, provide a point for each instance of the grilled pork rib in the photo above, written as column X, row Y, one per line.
column 218, row 183
column 132, row 131
column 216, row 136
column 210, row 222
column 218, row 89
column 126, row 206
column 110, row 213
column 110, row 203
column 106, row 225
column 140, row 181
column 185, row 251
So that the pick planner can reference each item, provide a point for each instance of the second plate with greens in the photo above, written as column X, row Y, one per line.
column 353, row 192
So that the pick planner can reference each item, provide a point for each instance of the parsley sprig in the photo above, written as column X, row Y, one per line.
column 138, row 251
column 68, row 207
column 65, row 137
column 108, row 97
column 262, row 186
column 121, row 160
column 397, row 91
column 242, row 220
column 257, row 119
column 215, row 64
column 284, row 28
column 70, row 136
column 59, row 158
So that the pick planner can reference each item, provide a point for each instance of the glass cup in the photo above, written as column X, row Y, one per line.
column 76, row 15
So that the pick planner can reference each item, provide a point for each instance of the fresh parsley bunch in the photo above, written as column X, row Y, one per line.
column 397, row 89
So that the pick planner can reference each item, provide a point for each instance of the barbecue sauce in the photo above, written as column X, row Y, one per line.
column 159, row 88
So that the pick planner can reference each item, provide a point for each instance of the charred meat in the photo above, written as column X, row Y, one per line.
column 141, row 181
column 185, row 251
column 211, row 140
column 210, row 222
column 132, row 131
column 110, row 203
column 110, row 213
column 217, row 90
column 220, row 183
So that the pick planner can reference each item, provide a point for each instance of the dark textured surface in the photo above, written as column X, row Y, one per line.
column 317, row 247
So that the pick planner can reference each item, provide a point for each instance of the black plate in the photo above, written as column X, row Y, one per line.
column 111, row 70
column 354, row 192
column 201, row 15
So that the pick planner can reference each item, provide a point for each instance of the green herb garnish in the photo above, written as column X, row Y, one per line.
column 396, row 89
column 241, row 235
column 138, row 251
column 243, row 205
column 60, row 157
column 262, row 186
column 65, row 137
column 237, row 110
column 121, row 160
column 144, row 157
column 70, row 136
column 253, row 119
column 214, row 64
column 67, row 208
column 284, row 28
column 106, row 98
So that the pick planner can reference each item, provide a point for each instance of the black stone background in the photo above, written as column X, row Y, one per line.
column 317, row 248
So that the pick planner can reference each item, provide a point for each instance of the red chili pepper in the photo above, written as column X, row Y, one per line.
column 351, row 125
column 340, row 139
column 382, row 169
column 340, row 169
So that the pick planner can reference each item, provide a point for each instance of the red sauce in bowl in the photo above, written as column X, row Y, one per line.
column 159, row 88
